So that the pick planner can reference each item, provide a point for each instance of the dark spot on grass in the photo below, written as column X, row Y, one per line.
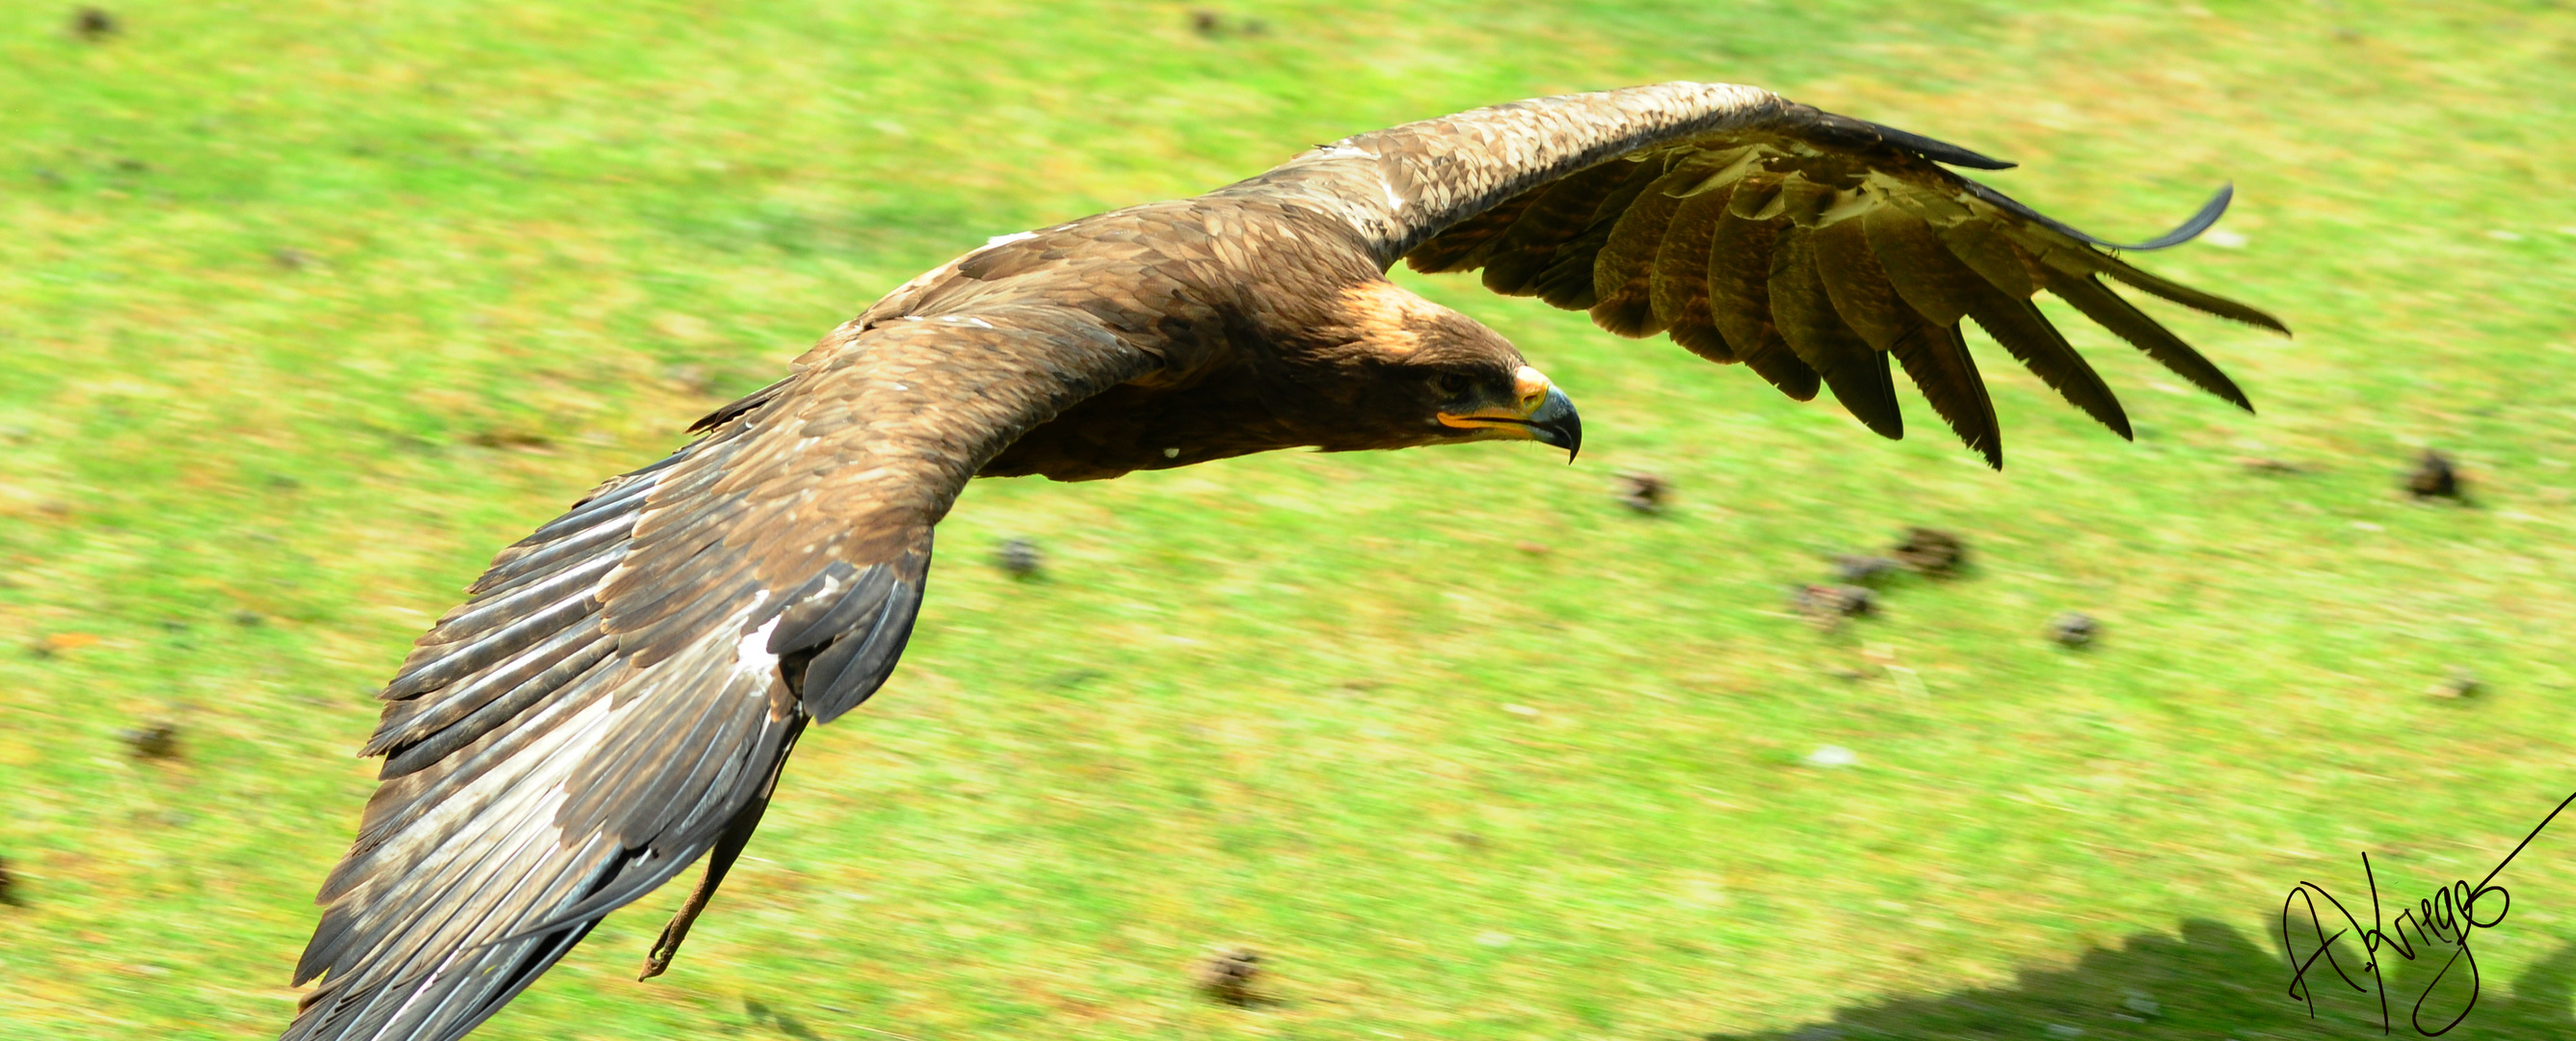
column 2436, row 477
column 1216, row 25
column 1930, row 551
column 1874, row 572
column 155, row 740
column 94, row 24
column 2460, row 683
column 786, row 1024
column 1642, row 492
column 1071, row 678
column 512, row 437
column 2271, row 467
column 2073, row 629
column 1019, row 558
column 1227, row 974
column 1827, row 606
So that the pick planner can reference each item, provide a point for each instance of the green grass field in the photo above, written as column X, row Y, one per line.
column 306, row 307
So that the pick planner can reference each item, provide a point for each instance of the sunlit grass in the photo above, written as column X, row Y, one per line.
column 306, row 308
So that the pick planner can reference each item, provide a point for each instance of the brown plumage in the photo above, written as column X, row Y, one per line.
column 616, row 696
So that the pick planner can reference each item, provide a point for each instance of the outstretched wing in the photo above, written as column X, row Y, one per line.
column 622, row 685
column 1806, row 245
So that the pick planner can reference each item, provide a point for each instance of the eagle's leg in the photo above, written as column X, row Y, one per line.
column 728, row 845
column 719, row 860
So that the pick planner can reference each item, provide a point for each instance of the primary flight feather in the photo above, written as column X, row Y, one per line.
column 617, row 694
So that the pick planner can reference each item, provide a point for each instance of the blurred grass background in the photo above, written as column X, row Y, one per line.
column 307, row 307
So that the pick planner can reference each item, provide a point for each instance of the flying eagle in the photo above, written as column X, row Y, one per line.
column 616, row 695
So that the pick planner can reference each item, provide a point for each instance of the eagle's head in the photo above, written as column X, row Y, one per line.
column 1404, row 371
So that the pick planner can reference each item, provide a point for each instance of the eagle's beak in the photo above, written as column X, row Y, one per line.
column 1542, row 414
column 1555, row 423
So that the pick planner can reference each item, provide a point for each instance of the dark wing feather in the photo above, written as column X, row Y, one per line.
column 2078, row 261
column 1569, row 279
column 1992, row 257
column 1739, row 275
column 2018, row 325
column 1623, row 274
column 1855, row 371
column 1518, row 256
column 1933, row 356
column 1465, row 246
column 1739, row 293
column 1858, row 285
column 1678, row 287
column 1927, row 276
column 2100, row 304
column 1778, row 365
column 1937, row 360
column 622, row 687
column 1586, row 179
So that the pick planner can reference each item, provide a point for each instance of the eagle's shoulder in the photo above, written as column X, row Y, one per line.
column 1144, row 270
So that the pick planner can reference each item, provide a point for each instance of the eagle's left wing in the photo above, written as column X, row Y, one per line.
column 615, row 697
column 1807, row 245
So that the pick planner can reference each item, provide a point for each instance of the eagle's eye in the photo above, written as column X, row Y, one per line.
column 1449, row 384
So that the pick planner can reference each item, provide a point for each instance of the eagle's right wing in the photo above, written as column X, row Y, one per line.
column 1809, row 246
column 619, row 691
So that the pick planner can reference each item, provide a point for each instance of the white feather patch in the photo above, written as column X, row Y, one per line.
column 751, row 656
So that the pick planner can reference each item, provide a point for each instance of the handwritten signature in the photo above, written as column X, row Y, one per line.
column 2447, row 917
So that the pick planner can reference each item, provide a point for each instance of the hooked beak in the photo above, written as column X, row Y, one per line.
column 1542, row 414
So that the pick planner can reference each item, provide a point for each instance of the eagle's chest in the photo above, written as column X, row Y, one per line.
column 1145, row 427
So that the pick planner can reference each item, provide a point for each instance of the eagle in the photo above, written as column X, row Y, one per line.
column 614, row 699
